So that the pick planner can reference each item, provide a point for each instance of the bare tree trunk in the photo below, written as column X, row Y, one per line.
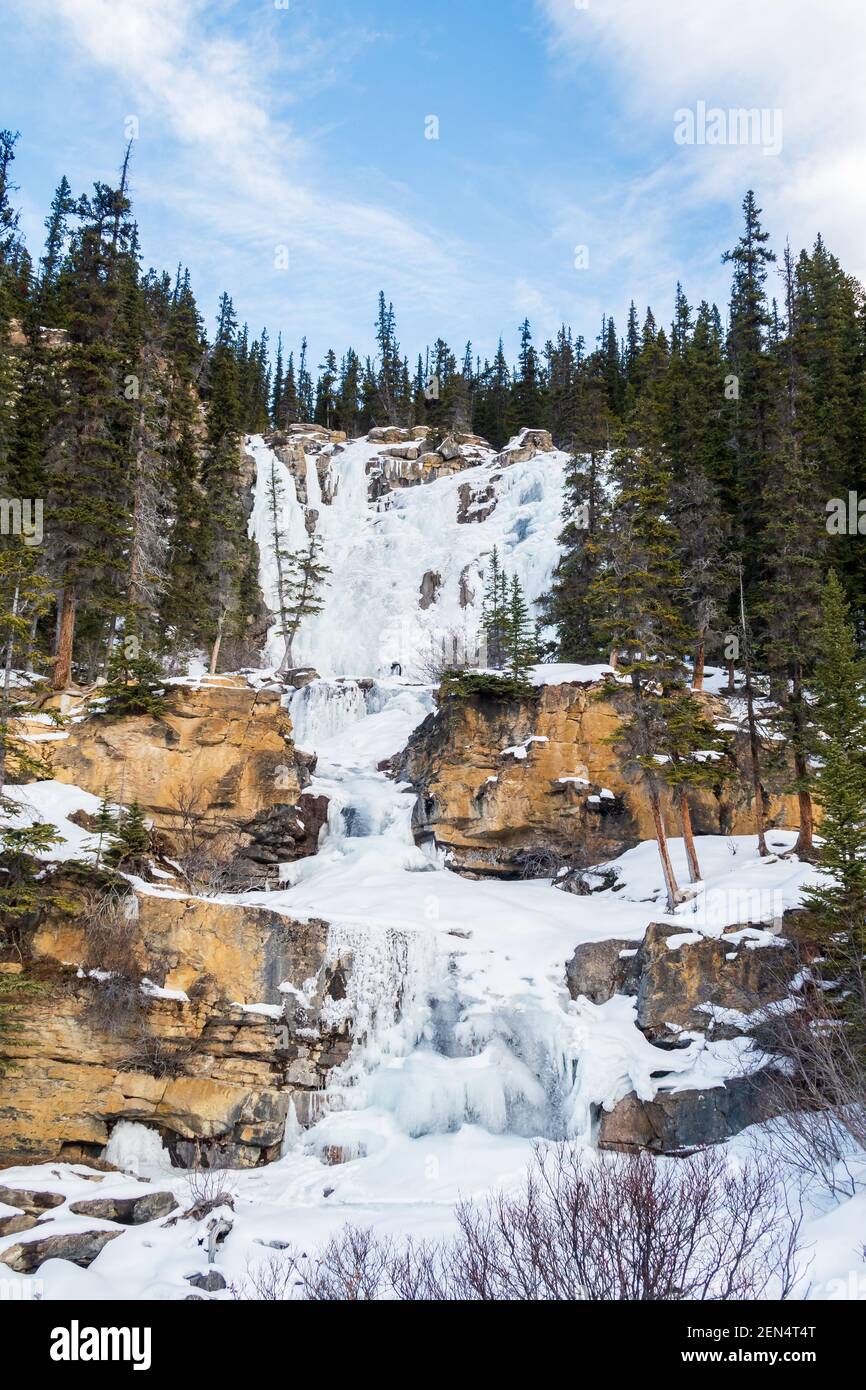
column 688, row 835
column 63, row 656
column 7, row 677
column 700, row 658
column 754, row 739
column 805, row 837
column 731, row 676
column 672, row 888
column 613, row 662
column 28, row 650
column 755, row 754
column 215, row 649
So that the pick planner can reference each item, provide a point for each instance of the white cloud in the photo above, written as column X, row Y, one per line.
column 239, row 171
column 800, row 57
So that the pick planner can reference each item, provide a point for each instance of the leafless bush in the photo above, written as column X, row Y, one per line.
column 112, row 951
column 209, row 1187
column 449, row 650
column 268, row 1281
column 617, row 1228
column 540, row 862
column 815, row 1098
column 158, row 1056
column 206, row 853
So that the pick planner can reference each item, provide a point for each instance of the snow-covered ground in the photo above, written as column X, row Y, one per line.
column 469, row 1047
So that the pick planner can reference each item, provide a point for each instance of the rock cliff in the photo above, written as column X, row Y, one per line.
column 504, row 783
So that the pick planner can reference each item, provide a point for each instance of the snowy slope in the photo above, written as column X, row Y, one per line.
column 379, row 553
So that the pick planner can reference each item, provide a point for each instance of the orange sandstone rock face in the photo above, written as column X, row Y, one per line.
column 204, row 1069
column 225, row 745
column 502, row 781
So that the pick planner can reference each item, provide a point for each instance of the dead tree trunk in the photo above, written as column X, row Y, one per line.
column 674, row 895
column 688, row 835
column 62, row 673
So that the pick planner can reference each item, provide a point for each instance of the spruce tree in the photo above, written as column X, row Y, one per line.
column 640, row 594
column 494, row 612
column 304, row 575
column 520, row 642
column 839, row 904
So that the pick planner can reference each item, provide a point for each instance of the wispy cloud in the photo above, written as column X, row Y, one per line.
column 239, row 169
column 795, row 56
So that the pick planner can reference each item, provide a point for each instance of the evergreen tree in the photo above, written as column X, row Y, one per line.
column 302, row 577
column 753, row 368
column 520, row 643
column 840, row 714
column 527, row 406
column 640, row 594
column 129, row 846
column 494, row 612
column 134, row 684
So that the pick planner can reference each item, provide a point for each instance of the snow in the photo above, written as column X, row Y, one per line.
column 379, row 553
column 468, row 1048
column 52, row 803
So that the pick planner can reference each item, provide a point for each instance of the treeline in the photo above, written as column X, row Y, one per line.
column 125, row 418
column 702, row 523
column 119, row 416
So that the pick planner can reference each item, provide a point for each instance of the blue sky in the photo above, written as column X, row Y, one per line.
column 302, row 127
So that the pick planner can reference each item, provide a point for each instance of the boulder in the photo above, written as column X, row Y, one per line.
column 80, row 1247
column 684, row 982
column 212, row 1282
column 29, row 1201
column 128, row 1211
column 600, row 969
column 17, row 1221
column 678, row 1121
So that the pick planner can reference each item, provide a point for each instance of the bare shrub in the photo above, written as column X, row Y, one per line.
column 206, row 853
column 267, row 1281
column 209, row 1186
column 158, row 1056
column 540, row 862
column 112, row 953
column 617, row 1228
column 449, row 649
column 815, row 1097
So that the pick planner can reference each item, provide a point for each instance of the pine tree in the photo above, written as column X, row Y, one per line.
column 839, row 905
column 134, row 684
column 304, row 575
column 569, row 605
column 129, row 846
column 640, row 594
column 753, row 367
column 89, row 444
column 104, row 825
column 494, row 612
column 527, row 406
column 520, row 643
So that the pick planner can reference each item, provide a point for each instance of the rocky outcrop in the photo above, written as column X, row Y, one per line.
column 708, row 984
column 505, row 783
column 80, row 1247
column 525, row 446
column 678, row 1121
column 409, row 462
column 686, row 984
column 211, row 1058
column 219, row 763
